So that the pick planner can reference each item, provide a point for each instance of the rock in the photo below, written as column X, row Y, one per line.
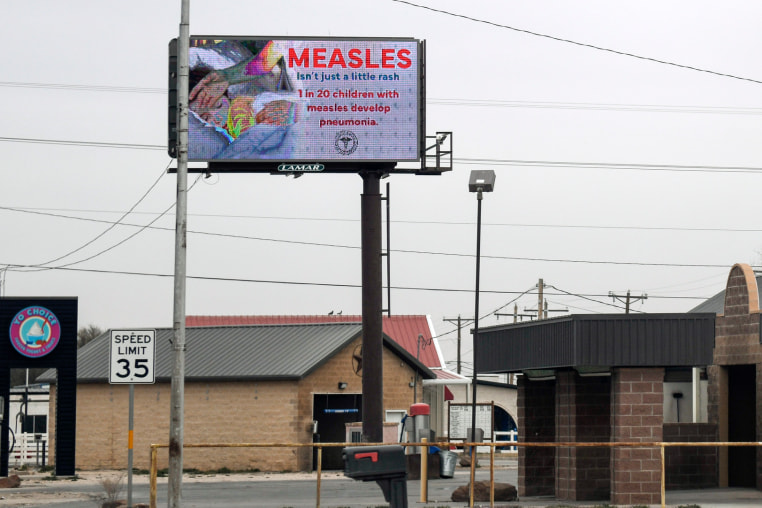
column 11, row 482
column 503, row 492
column 465, row 460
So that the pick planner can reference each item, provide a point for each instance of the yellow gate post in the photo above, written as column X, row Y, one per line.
column 153, row 472
column 319, row 468
column 424, row 470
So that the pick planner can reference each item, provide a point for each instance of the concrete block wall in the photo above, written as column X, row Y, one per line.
column 637, row 406
column 691, row 467
column 591, row 422
column 737, row 342
column 737, row 334
column 582, row 415
column 537, row 424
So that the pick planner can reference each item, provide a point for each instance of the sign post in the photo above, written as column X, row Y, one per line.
column 132, row 356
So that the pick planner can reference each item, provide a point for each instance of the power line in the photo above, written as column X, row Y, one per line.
column 581, row 44
column 471, row 161
column 318, row 284
column 112, row 225
column 95, row 144
column 612, row 165
column 86, row 88
column 589, row 298
column 650, row 108
column 399, row 221
column 592, row 106
column 409, row 251
column 37, row 268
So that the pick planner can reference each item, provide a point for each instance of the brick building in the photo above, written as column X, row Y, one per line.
column 243, row 384
column 599, row 378
column 735, row 378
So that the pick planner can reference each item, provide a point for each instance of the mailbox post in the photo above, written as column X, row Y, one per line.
column 386, row 465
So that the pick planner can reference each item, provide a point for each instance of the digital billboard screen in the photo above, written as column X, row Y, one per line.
column 305, row 100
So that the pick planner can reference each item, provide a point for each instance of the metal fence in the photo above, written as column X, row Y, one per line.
column 447, row 445
column 29, row 449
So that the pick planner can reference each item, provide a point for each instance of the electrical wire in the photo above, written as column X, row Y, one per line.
column 590, row 299
column 400, row 251
column 576, row 43
column 591, row 106
column 36, row 268
column 495, row 103
column 612, row 166
column 85, row 88
column 700, row 168
column 315, row 284
column 397, row 221
column 575, row 307
column 96, row 144
column 112, row 225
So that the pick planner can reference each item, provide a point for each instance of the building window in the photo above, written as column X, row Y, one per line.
column 35, row 424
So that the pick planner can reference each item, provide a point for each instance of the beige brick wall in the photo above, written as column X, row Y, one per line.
column 397, row 391
column 221, row 412
column 230, row 412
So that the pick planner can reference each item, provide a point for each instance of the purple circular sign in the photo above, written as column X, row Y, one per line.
column 35, row 331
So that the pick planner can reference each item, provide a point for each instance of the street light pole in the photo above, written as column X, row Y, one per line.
column 480, row 181
column 476, row 312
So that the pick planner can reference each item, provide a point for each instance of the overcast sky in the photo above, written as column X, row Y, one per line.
column 615, row 169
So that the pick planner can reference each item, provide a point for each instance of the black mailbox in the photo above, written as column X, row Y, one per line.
column 374, row 462
column 386, row 465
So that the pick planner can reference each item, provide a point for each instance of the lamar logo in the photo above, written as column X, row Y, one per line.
column 301, row 168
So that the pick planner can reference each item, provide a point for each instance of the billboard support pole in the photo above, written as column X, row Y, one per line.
column 372, row 309
column 177, row 402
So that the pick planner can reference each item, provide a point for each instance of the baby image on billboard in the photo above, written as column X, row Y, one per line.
column 303, row 100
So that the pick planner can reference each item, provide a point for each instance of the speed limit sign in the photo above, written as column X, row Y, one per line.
column 132, row 355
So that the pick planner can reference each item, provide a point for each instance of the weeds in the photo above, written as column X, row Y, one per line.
column 112, row 487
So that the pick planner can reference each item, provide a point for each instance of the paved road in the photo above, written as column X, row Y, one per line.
column 296, row 491
column 278, row 491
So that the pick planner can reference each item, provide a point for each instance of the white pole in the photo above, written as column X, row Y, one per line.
column 696, row 394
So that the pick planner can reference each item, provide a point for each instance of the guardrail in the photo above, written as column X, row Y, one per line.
column 424, row 443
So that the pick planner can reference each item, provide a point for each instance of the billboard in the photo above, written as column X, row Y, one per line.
column 308, row 100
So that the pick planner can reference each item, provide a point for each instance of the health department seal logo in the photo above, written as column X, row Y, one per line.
column 35, row 331
column 345, row 142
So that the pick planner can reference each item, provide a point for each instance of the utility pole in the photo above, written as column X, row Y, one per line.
column 515, row 314
column 177, row 397
column 627, row 299
column 542, row 303
column 460, row 325
column 545, row 310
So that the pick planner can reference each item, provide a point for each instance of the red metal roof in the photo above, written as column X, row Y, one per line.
column 403, row 330
column 446, row 374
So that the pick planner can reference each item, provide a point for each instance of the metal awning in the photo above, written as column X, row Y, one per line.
column 598, row 341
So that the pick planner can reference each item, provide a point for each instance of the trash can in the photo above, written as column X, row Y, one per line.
column 447, row 462
column 474, row 437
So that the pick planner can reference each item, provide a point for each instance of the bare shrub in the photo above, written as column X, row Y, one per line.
column 113, row 489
